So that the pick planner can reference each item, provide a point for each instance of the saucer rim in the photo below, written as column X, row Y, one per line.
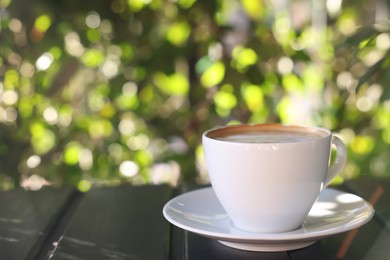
column 271, row 238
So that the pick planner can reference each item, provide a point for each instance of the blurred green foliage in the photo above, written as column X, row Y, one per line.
column 121, row 90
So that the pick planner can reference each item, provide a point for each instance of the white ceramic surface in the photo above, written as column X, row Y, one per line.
column 258, row 182
column 334, row 212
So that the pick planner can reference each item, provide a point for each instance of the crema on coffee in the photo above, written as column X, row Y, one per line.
column 266, row 133
column 269, row 137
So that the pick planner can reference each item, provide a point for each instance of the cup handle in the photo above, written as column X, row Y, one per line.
column 341, row 159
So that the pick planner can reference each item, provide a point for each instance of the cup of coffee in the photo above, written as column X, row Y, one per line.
column 268, row 176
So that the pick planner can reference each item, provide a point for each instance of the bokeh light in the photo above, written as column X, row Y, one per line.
column 121, row 91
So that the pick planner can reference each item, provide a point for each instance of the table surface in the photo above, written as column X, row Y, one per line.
column 126, row 222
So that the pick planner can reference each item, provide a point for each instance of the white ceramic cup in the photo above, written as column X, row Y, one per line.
column 265, row 184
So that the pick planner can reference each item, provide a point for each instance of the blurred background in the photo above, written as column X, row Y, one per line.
column 106, row 92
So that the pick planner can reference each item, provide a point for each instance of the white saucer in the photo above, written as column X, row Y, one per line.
column 334, row 212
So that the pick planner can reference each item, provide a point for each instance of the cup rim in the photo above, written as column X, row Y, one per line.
column 237, row 128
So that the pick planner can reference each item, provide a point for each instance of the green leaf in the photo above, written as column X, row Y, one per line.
column 213, row 75
column 42, row 23
column 292, row 83
column 225, row 100
column 92, row 58
column 254, row 97
column 42, row 138
column 203, row 64
column 72, row 153
column 178, row 32
column 243, row 58
column 176, row 84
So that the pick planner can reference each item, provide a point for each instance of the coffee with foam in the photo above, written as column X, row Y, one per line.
column 264, row 134
column 269, row 137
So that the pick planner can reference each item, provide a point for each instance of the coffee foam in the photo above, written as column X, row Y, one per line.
column 266, row 133
column 269, row 137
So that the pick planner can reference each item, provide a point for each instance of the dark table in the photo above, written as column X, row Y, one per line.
column 126, row 222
